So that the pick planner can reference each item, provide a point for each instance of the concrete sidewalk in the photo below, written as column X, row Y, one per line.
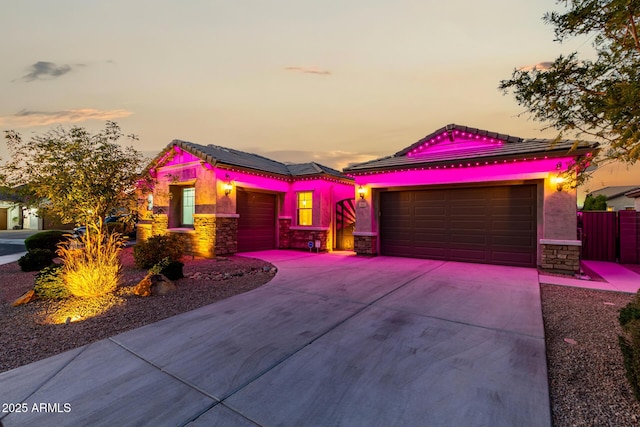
column 332, row 340
column 617, row 278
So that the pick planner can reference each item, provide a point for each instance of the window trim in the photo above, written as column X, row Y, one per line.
column 308, row 210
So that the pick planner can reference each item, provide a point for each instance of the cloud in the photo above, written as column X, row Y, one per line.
column 540, row 66
column 27, row 118
column 43, row 70
column 309, row 70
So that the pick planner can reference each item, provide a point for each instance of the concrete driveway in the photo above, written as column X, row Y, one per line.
column 332, row 340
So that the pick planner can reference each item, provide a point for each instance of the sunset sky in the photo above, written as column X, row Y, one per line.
column 332, row 81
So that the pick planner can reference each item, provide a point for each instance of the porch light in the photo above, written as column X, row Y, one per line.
column 228, row 186
column 558, row 180
column 361, row 192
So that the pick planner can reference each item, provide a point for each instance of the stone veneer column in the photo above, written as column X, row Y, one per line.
column 159, row 225
column 226, row 234
column 144, row 230
column 365, row 243
column 284, row 232
column 561, row 256
column 204, row 241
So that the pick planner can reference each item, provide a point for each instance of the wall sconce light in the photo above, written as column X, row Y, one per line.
column 361, row 192
column 558, row 180
column 228, row 186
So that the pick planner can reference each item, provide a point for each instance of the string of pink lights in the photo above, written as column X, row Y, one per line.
column 450, row 136
column 451, row 166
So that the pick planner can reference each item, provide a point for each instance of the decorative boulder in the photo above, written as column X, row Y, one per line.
column 160, row 285
column 143, row 288
column 28, row 296
column 154, row 284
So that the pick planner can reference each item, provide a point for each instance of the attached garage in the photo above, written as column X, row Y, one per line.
column 472, row 195
column 493, row 225
column 256, row 221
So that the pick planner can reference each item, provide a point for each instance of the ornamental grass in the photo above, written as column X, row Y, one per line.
column 94, row 269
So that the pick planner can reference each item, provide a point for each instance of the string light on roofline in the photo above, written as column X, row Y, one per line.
column 452, row 165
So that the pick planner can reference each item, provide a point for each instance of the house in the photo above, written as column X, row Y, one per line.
column 11, row 213
column 617, row 198
column 226, row 201
column 470, row 195
column 635, row 196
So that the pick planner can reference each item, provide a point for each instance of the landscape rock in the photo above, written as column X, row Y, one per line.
column 28, row 296
column 160, row 285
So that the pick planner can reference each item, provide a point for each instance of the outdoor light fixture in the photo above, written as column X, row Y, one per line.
column 228, row 186
column 558, row 180
column 361, row 192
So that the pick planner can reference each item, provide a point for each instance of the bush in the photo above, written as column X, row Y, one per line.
column 93, row 270
column 36, row 259
column 630, row 342
column 152, row 251
column 172, row 270
column 46, row 240
column 49, row 283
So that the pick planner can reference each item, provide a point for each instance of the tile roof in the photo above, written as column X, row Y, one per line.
column 312, row 168
column 216, row 154
column 615, row 191
column 491, row 145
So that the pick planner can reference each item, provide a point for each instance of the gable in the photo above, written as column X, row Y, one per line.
column 455, row 144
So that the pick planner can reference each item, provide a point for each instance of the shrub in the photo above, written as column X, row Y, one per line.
column 46, row 240
column 630, row 342
column 93, row 270
column 152, row 251
column 172, row 270
column 36, row 259
column 49, row 283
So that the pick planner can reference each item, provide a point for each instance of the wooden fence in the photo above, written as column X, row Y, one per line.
column 610, row 236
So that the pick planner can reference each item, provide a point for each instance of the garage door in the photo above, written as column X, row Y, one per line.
column 493, row 225
column 256, row 222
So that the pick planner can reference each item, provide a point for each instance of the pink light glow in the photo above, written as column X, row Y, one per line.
column 528, row 169
column 461, row 143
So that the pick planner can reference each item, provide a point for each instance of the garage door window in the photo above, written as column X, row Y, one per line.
column 305, row 208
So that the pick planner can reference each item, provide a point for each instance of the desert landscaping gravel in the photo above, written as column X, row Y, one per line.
column 587, row 379
column 25, row 339
column 586, row 373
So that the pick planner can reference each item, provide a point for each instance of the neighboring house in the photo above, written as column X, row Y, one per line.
column 635, row 195
column 617, row 198
column 227, row 201
column 470, row 195
column 10, row 209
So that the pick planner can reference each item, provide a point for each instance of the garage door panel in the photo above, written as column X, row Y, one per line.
column 468, row 255
column 513, row 226
column 470, row 239
column 430, row 238
column 480, row 224
column 510, row 258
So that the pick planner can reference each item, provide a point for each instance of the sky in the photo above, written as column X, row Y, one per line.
column 331, row 81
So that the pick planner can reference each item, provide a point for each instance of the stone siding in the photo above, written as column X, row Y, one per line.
column 205, row 235
column 144, row 230
column 284, row 233
column 159, row 224
column 564, row 259
column 365, row 245
column 226, row 235
column 299, row 239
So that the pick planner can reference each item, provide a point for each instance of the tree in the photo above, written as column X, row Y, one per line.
column 73, row 174
column 598, row 203
column 597, row 98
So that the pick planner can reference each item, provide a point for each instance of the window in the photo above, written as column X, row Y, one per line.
column 305, row 208
column 188, row 205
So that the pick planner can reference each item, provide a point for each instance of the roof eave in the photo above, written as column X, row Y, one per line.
column 552, row 154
